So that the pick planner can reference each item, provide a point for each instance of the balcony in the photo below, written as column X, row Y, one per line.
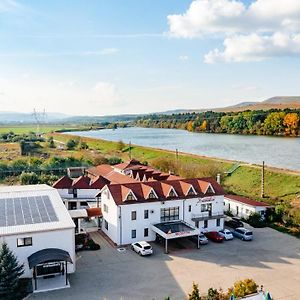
column 207, row 215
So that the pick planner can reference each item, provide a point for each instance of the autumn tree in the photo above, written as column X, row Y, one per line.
column 273, row 123
column 291, row 123
column 190, row 126
column 195, row 294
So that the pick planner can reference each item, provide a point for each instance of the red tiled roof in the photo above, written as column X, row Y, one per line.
column 64, row 182
column 82, row 182
column 94, row 212
column 99, row 182
column 162, row 189
column 246, row 200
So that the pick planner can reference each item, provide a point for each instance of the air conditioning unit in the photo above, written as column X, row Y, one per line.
column 152, row 211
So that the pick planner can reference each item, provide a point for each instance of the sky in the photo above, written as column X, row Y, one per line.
column 106, row 57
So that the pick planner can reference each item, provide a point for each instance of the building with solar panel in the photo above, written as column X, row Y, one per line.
column 37, row 227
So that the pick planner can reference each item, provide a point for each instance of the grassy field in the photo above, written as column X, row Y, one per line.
column 23, row 129
column 279, row 185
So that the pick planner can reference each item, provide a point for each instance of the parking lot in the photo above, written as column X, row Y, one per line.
column 271, row 259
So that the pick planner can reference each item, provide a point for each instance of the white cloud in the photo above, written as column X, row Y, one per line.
column 9, row 6
column 255, row 47
column 105, row 51
column 264, row 29
column 183, row 57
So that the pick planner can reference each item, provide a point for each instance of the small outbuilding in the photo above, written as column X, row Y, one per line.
column 243, row 207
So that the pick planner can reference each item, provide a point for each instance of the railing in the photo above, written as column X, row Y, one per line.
column 207, row 215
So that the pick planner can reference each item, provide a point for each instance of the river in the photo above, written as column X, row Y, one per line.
column 281, row 152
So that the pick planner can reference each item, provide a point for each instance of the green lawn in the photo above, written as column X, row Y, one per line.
column 23, row 129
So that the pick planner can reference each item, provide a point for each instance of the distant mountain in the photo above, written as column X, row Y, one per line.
column 279, row 102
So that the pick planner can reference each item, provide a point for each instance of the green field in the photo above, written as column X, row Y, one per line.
column 24, row 129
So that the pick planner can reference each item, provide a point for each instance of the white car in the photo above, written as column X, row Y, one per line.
column 142, row 248
column 226, row 234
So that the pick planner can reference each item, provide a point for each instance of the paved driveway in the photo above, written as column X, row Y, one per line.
column 272, row 259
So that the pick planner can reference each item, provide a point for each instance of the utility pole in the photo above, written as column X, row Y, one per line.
column 263, row 180
column 130, row 150
column 177, row 160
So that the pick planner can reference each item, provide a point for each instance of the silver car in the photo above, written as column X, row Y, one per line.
column 243, row 234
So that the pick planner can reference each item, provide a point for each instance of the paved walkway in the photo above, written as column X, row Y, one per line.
column 271, row 259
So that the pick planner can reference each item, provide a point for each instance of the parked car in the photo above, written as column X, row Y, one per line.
column 234, row 223
column 142, row 248
column 243, row 234
column 214, row 236
column 226, row 234
column 202, row 239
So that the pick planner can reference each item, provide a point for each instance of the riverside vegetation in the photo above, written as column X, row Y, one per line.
column 45, row 159
column 260, row 122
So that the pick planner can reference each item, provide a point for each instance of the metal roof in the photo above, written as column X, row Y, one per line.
column 32, row 208
column 48, row 255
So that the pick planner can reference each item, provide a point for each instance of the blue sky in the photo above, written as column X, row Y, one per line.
column 110, row 57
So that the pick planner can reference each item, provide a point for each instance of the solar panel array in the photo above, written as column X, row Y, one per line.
column 26, row 210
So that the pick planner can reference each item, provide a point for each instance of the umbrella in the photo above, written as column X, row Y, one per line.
column 268, row 296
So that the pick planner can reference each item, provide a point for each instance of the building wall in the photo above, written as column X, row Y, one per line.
column 63, row 239
column 242, row 210
column 120, row 223
column 81, row 193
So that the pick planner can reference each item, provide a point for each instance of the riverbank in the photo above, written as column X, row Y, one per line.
column 246, row 180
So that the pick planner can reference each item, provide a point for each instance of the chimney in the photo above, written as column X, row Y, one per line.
column 219, row 178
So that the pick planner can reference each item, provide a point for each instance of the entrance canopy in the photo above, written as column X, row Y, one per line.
column 48, row 255
column 173, row 230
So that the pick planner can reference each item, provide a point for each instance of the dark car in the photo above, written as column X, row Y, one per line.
column 214, row 236
column 234, row 223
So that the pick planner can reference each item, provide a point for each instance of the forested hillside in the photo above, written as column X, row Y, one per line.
column 260, row 122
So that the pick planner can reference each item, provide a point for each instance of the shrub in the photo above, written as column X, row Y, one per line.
column 194, row 295
column 71, row 144
column 256, row 220
column 114, row 160
column 29, row 178
column 244, row 287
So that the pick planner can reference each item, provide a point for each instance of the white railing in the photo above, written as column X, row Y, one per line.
column 206, row 214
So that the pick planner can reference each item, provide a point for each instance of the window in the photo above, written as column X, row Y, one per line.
column 190, row 208
column 130, row 197
column 105, row 208
column 23, row 242
column 133, row 234
column 205, row 223
column 105, row 224
column 133, row 215
column 210, row 190
column 70, row 191
column 197, row 224
column 206, row 207
column 218, row 222
column 152, row 195
column 172, row 193
column 191, row 192
column 169, row 214
column 146, row 214
column 146, row 232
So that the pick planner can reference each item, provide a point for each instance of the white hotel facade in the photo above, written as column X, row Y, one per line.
column 131, row 211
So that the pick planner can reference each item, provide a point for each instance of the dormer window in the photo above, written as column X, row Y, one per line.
column 172, row 193
column 152, row 195
column 130, row 196
column 191, row 192
column 209, row 190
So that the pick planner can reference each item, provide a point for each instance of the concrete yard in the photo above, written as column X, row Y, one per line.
column 271, row 259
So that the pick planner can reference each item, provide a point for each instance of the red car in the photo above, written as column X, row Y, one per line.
column 214, row 236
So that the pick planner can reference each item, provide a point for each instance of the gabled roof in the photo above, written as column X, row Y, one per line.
column 99, row 182
column 64, row 182
column 246, row 200
column 82, row 182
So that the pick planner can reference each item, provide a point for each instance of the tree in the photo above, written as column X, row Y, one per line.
column 190, row 126
column 291, row 123
column 194, row 295
column 29, row 178
column 244, row 287
column 71, row 144
column 51, row 142
column 10, row 272
column 273, row 123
